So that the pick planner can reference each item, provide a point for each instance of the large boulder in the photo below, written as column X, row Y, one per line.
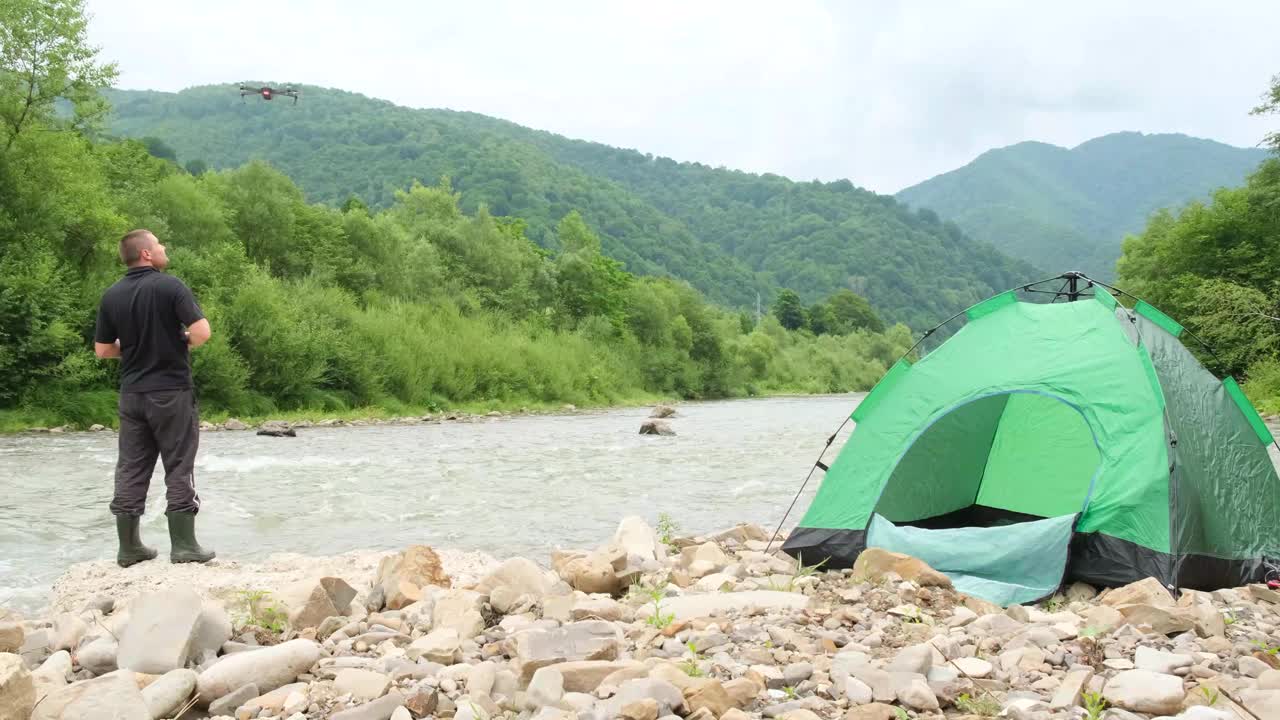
column 114, row 696
column 268, row 668
column 589, row 640
column 656, row 427
column 169, row 693
column 459, row 610
column 310, row 602
column 1145, row 692
column 17, row 692
column 636, row 537
column 1148, row 591
column 402, row 576
column 441, row 646
column 590, row 573
column 12, row 637
column 160, row 632
column 521, row 575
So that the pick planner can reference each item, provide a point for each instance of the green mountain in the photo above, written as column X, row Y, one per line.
column 1070, row 209
column 730, row 234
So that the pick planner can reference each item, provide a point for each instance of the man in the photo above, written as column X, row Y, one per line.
column 140, row 321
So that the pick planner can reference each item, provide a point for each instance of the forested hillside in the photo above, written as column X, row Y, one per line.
column 415, row 305
column 1070, row 209
column 730, row 234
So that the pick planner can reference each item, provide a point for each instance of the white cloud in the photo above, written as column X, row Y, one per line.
column 884, row 94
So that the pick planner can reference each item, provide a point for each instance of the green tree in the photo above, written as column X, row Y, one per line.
column 850, row 311
column 197, row 167
column 589, row 282
column 45, row 57
column 819, row 320
column 788, row 310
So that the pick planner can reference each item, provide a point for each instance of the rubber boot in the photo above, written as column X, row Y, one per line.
column 182, row 538
column 131, row 551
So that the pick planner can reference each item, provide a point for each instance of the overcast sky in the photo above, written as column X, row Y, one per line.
column 884, row 94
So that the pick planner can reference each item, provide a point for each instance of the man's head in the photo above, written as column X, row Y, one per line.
column 139, row 248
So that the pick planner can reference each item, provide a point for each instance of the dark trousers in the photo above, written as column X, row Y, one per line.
column 164, row 423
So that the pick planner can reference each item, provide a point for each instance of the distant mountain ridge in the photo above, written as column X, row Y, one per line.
column 731, row 234
column 1069, row 209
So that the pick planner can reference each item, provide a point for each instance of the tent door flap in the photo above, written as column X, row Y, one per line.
column 1007, row 565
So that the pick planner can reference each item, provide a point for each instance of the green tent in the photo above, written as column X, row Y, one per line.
column 1049, row 442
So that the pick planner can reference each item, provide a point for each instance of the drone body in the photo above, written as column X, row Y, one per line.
column 268, row 92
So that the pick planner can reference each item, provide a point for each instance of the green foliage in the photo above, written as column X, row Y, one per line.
column 667, row 529
column 659, row 619
column 787, row 308
column 984, row 705
column 1211, row 695
column 728, row 234
column 45, row 57
column 1094, row 705
column 1216, row 269
column 256, row 611
column 1069, row 209
column 1263, row 386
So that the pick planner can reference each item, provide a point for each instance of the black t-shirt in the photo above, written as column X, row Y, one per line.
column 146, row 310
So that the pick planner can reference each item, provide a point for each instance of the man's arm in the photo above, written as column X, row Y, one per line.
column 199, row 332
column 107, row 350
column 106, row 344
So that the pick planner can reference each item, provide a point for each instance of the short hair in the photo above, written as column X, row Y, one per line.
column 132, row 245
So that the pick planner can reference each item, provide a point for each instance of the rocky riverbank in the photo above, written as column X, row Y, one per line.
column 644, row 627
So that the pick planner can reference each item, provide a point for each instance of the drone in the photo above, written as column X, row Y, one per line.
column 268, row 92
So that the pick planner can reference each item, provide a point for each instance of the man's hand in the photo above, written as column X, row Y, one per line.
column 107, row 350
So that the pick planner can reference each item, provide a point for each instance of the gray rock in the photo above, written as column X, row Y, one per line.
column 654, row 426
column 796, row 673
column 857, row 692
column 227, row 704
column 380, row 709
column 1264, row 703
column 110, row 697
column 1144, row 691
column 440, row 646
column 668, row 697
column 459, row 610
column 269, row 668
column 1250, row 666
column 589, row 640
column 546, row 688
column 310, row 602
column 362, row 685
column 916, row 659
column 169, row 693
column 976, row 668
column 161, row 628
column 521, row 575
column 1159, row 661
column 481, row 679
column 99, row 655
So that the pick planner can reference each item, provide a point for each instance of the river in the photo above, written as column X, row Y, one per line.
column 507, row 486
